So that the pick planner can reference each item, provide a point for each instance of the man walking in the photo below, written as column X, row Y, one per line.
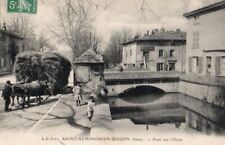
column 6, row 93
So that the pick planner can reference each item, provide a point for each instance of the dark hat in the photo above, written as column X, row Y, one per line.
column 8, row 82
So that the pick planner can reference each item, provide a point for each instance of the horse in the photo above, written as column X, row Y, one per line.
column 26, row 90
column 17, row 91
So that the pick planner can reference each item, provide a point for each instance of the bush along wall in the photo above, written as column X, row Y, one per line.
column 48, row 66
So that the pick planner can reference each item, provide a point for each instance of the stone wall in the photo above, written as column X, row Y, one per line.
column 210, row 89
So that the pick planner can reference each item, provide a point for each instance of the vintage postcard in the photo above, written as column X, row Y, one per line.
column 112, row 72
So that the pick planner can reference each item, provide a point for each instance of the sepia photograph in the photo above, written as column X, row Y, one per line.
column 108, row 72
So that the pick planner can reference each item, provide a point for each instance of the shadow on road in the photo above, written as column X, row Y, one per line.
column 71, row 121
column 34, row 105
column 22, row 116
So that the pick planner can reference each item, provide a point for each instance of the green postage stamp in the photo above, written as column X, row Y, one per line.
column 22, row 6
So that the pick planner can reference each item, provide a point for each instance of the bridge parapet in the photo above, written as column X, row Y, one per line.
column 119, row 82
column 109, row 76
column 203, row 80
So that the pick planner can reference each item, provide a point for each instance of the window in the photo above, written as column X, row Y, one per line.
column 196, row 20
column 195, row 64
column 208, row 62
column 160, row 53
column 1, row 62
column 95, row 68
column 146, row 56
column 195, row 40
column 130, row 52
column 159, row 66
column 171, row 66
column 172, row 53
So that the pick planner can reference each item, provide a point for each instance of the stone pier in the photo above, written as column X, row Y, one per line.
column 101, row 121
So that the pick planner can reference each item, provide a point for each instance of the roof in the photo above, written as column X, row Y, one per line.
column 161, row 36
column 207, row 9
column 89, row 56
column 10, row 34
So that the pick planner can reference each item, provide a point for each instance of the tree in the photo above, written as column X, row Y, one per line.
column 74, row 24
column 44, row 43
column 95, row 41
column 113, row 52
column 21, row 25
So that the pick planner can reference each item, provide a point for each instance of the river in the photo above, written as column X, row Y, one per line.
column 152, row 108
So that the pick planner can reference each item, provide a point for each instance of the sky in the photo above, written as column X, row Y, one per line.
column 120, row 14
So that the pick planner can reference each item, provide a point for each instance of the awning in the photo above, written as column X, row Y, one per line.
column 172, row 60
column 147, row 49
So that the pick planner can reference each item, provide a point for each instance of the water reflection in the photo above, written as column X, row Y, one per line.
column 173, row 108
column 148, row 94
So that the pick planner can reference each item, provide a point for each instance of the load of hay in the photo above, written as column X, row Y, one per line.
column 28, row 66
column 48, row 66
column 57, row 69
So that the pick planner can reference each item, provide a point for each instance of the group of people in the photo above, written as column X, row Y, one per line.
column 77, row 90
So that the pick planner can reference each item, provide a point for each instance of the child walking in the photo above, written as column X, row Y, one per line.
column 77, row 94
column 90, row 107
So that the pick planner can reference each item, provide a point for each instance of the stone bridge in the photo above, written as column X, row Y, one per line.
column 209, row 88
column 119, row 82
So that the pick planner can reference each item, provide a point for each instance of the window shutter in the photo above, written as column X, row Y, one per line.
column 190, row 64
column 200, row 64
column 217, row 66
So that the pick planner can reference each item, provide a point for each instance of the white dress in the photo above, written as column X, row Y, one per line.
column 90, row 108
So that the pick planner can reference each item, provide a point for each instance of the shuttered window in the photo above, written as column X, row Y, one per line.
column 161, row 53
column 195, row 40
column 208, row 64
column 200, row 65
column 217, row 65
column 190, row 64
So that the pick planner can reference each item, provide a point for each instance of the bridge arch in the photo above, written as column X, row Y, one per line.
column 139, row 89
column 119, row 88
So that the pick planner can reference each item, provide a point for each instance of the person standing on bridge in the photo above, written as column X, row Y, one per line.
column 77, row 94
column 6, row 93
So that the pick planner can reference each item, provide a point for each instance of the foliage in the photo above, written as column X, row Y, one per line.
column 74, row 26
column 21, row 25
column 113, row 51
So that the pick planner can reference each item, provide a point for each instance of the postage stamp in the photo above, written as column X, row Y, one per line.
column 22, row 6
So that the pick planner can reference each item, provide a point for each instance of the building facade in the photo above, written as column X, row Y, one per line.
column 206, row 40
column 89, row 70
column 10, row 45
column 159, row 51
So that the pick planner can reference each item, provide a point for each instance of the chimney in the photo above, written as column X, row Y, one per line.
column 162, row 30
column 177, row 30
column 4, row 26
